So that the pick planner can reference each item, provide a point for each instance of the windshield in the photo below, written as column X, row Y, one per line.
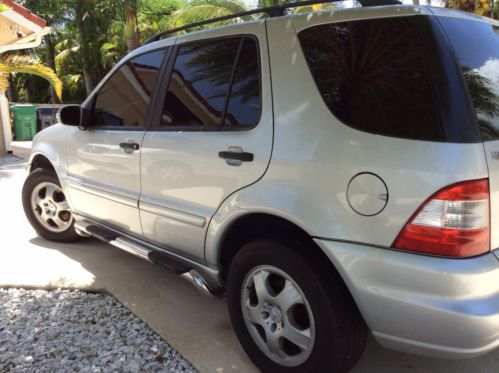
column 477, row 49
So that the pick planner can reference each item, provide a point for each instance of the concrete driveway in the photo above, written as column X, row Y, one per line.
column 198, row 327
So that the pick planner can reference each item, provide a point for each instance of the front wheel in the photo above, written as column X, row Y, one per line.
column 292, row 314
column 47, row 208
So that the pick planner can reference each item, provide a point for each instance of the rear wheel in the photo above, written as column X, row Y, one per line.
column 290, row 314
column 47, row 208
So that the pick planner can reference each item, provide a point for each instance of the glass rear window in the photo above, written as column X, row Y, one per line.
column 477, row 49
column 373, row 76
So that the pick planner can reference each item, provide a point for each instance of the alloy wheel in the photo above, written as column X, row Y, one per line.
column 50, row 207
column 278, row 315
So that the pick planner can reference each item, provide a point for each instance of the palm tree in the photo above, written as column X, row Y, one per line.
column 480, row 7
column 28, row 65
column 131, row 32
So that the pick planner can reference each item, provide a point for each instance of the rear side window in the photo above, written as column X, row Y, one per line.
column 477, row 49
column 244, row 103
column 124, row 99
column 373, row 76
column 214, row 82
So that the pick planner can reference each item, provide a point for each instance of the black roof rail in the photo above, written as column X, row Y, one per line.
column 272, row 11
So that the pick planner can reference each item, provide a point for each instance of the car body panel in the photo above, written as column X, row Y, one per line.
column 491, row 149
column 184, row 181
column 103, row 180
column 436, row 306
column 51, row 143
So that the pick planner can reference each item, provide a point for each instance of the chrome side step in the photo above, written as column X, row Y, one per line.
column 130, row 247
column 200, row 283
column 189, row 270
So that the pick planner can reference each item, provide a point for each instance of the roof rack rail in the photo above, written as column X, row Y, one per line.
column 272, row 11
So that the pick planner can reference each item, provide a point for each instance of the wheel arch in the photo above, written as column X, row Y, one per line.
column 262, row 225
column 39, row 160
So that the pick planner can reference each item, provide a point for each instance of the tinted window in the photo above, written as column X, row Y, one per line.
column 244, row 103
column 124, row 98
column 199, row 83
column 373, row 76
column 477, row 49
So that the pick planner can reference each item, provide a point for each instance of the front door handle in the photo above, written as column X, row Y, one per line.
column 129, row 147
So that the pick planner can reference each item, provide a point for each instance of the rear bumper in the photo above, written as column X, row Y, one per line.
column 446, row 308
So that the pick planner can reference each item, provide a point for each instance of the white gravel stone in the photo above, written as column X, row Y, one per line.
column 74, row 331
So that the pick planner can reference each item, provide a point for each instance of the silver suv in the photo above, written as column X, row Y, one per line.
column 332, row 172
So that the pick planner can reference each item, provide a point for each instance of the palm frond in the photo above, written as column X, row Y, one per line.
column 73, row 82
column 202, row 10
column 28, row 65
column 234, row 6
column 62, row 56
column 314, row 8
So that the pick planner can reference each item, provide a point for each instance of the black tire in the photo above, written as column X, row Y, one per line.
column 340, row 332
column 34, row 179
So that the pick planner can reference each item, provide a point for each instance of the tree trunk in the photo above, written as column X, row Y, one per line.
column 49, row 47
column 131, row 33
column 11, row 92
column 28, row 88
column 84, row 49
column 415, row 2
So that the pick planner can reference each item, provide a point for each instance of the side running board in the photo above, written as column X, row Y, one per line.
column 195, row 273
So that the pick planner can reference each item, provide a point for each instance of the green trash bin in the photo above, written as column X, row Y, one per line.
column 24, row 118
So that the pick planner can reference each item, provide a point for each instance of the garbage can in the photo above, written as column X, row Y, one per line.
column 24, row 117
column 46, row 117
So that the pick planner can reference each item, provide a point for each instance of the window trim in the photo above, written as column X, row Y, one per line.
column 162, row 91
column 154, row 93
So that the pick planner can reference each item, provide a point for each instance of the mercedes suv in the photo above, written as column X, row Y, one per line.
column 334, row 173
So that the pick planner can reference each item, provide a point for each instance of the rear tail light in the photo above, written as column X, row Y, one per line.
column 453, row 222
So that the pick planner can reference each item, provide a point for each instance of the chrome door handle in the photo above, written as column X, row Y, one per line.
column 129, row 147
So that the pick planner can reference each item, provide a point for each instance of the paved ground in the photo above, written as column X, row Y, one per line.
column 198, row 327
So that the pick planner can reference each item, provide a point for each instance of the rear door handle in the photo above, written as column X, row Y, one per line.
column 129, row 147
column 236, row 156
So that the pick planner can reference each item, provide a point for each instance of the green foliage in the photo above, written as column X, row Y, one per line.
column 201, row 10
column 108, row 27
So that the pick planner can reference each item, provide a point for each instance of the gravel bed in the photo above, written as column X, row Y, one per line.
column 67, row 331
column 10, row 159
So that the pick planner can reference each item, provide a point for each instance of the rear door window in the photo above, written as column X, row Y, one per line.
column 214, row 83
column 477, row 49
column 244, row 105
column 199, row 83
column 373, row 76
